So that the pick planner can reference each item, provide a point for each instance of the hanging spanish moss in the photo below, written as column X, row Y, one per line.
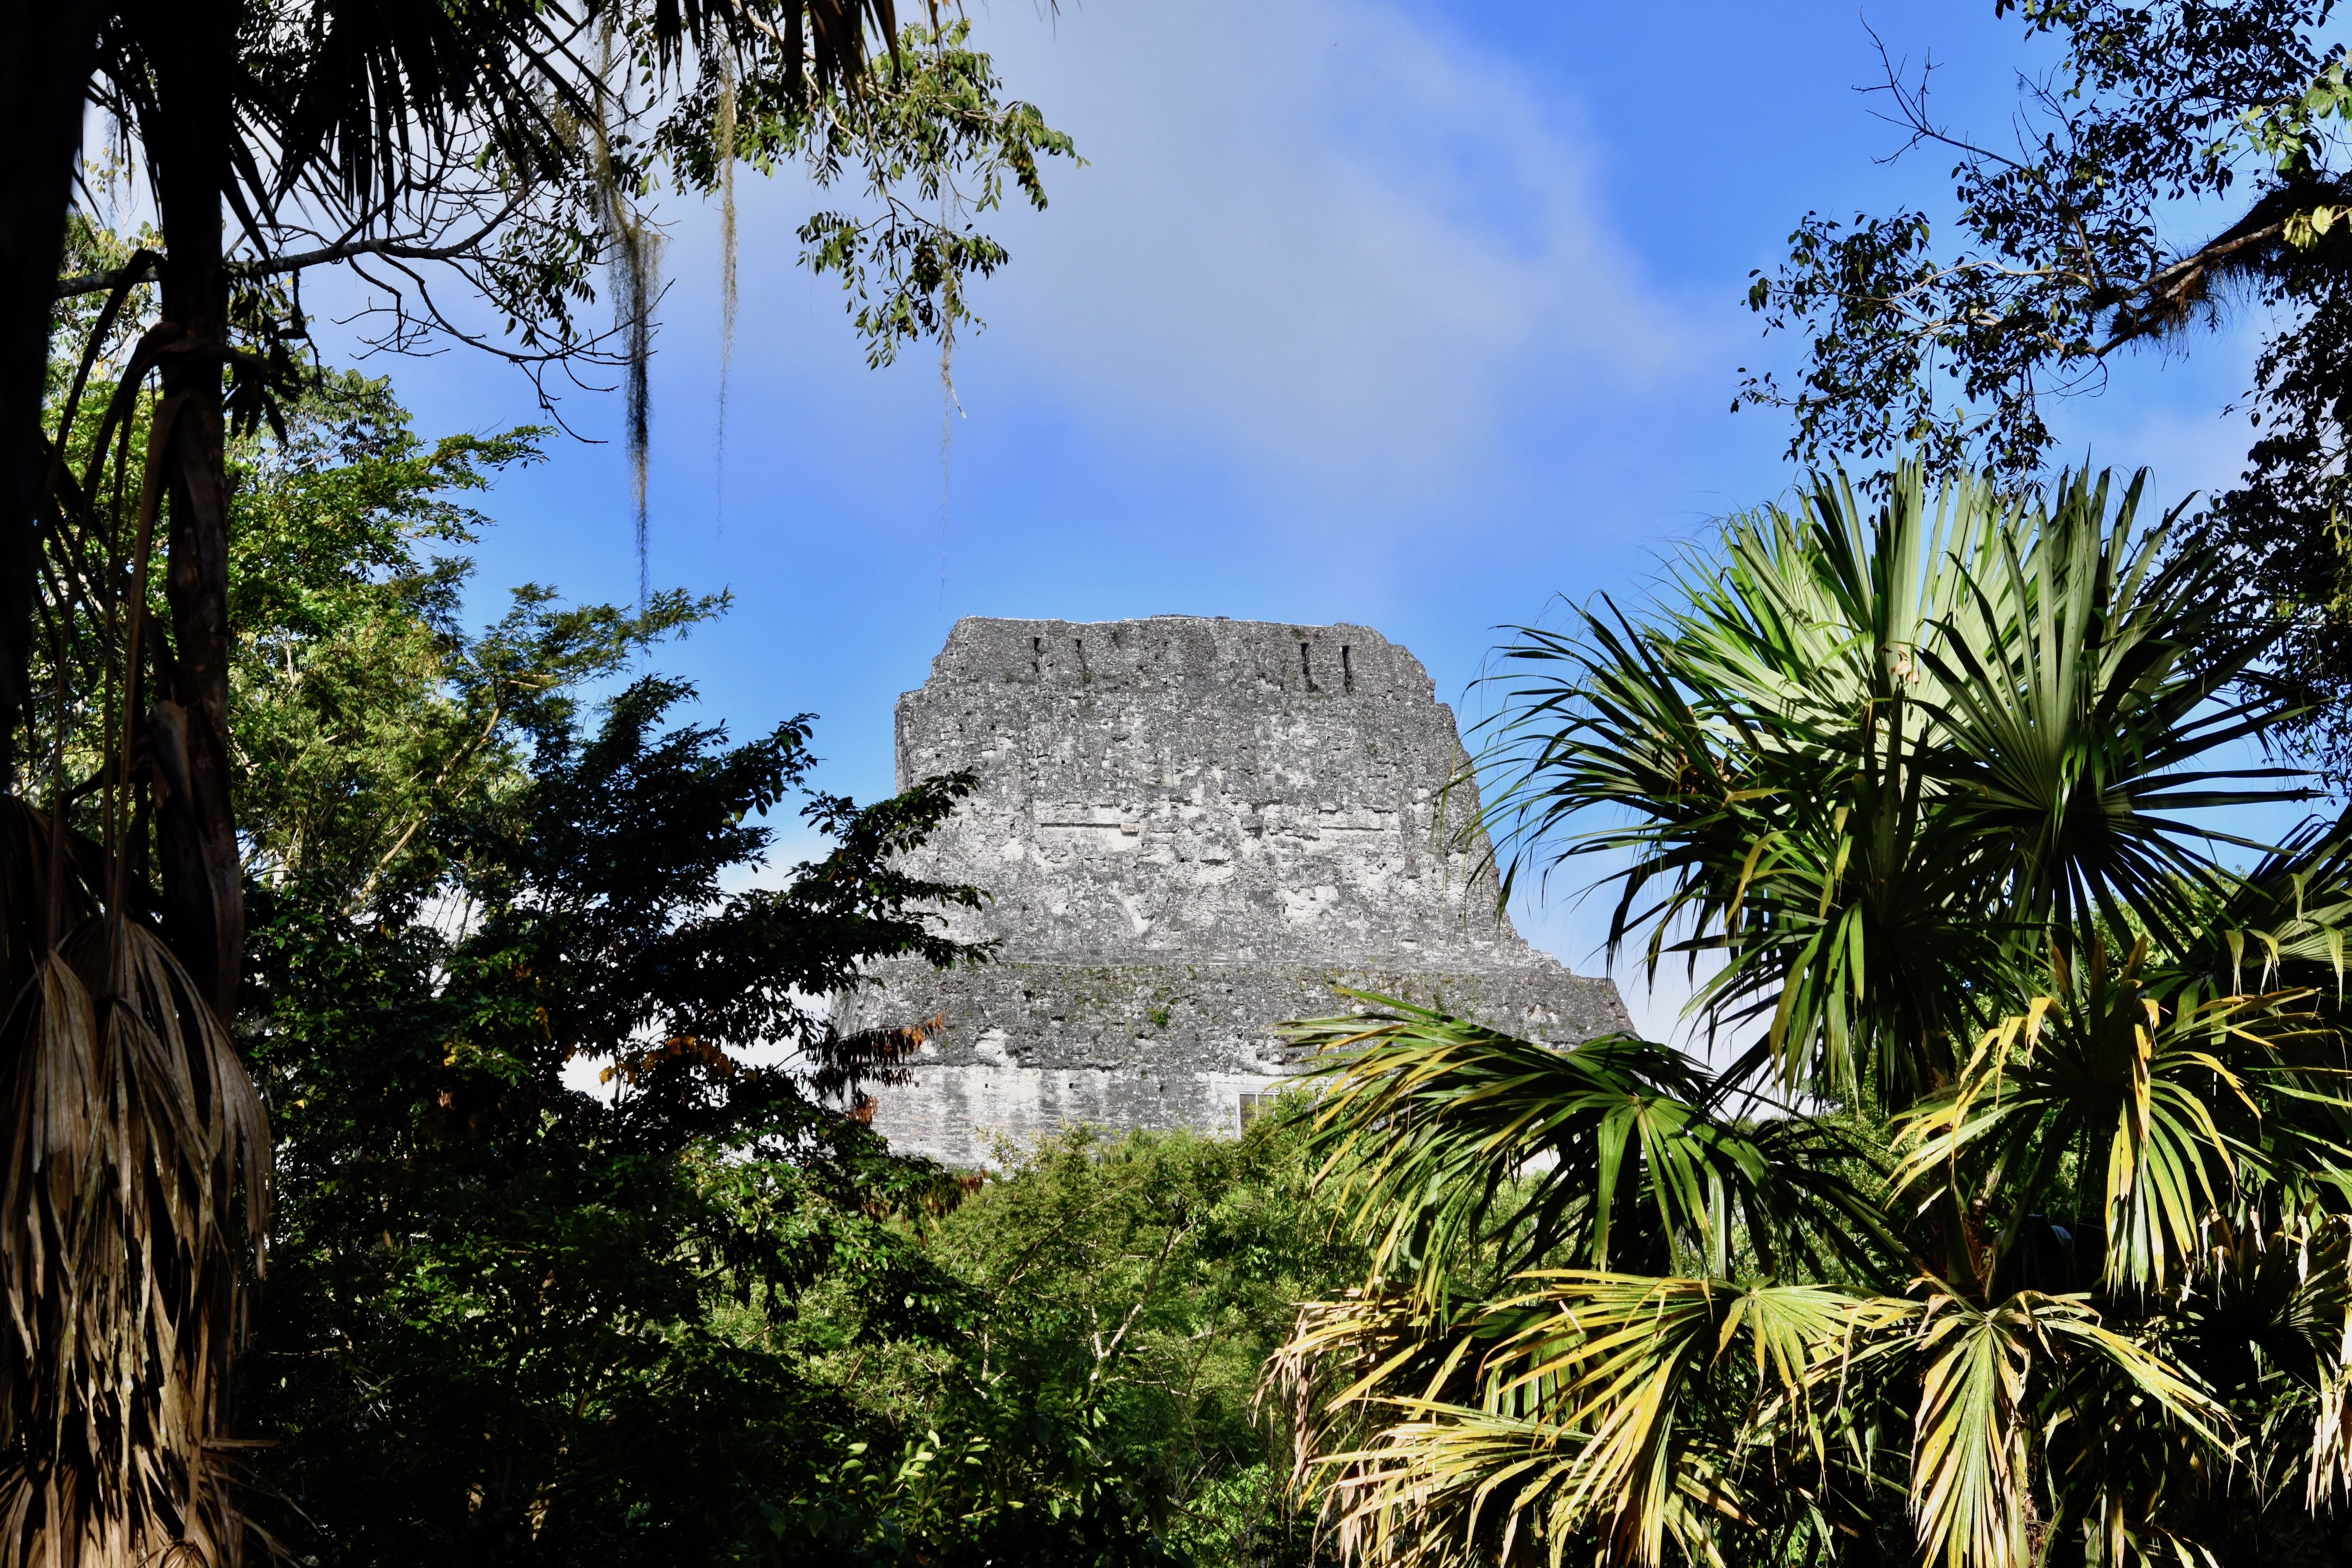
column 635, row 260
column 950, row 407
column 635, row 252
column 723, row 138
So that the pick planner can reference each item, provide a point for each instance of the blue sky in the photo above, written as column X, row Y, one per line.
column 1415, row 314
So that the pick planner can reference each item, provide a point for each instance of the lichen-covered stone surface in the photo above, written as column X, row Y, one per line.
column 1192, row 829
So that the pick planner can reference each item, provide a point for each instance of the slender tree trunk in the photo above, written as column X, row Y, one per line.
column 116, row 1367
column 46, row 49
column 204, row 889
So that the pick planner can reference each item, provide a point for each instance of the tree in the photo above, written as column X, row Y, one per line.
column 125, row 899
column 512, row 146
column 2018, row 1208
column 463, row 881
column 539, row 1277
column 45, row 53
column 506, row 143
column 1116, row 1300
column 700, row 1314
column 2087, row 235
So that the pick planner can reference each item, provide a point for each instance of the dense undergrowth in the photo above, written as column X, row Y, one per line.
column 695, row 1314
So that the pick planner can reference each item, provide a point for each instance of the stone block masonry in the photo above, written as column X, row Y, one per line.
column 1191, row 829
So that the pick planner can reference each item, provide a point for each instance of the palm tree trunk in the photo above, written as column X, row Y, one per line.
column 196, row 830
column 46, row 49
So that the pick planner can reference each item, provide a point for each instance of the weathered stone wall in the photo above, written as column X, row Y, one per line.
column 1191, row 829
column 1029, row 1046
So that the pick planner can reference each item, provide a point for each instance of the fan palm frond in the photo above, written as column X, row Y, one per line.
column 1636, row 1412
column 2075, row 736
column 2159, row 1100
column 1992, row 1380
column 1866, row 757
column 1440, row 1137
column 2041, row 1237
column 2282, row 922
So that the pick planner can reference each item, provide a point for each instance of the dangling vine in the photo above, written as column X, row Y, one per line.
column 635, row 249
column 722, row 140
column 950, row 407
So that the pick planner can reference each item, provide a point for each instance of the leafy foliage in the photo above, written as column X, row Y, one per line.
column 1097, row 1404
column 2088, row 238
column 1873, row 758
column 935, row 148
column 514, row 151
column 506, row 143
column 466, row 888
column 1955, row 1251
column 697, row 1312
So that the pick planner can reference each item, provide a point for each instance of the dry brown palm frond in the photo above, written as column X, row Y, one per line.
column 136, row 1179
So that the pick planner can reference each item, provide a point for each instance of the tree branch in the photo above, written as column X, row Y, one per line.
column 277, row 266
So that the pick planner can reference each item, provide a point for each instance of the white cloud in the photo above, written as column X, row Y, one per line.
column 1321, row 232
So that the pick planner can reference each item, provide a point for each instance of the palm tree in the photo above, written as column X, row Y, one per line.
column 133, row 1191
column 2015, row 1229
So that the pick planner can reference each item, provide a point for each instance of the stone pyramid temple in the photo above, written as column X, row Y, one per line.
column 1191, row 829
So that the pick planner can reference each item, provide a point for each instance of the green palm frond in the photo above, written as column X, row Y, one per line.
column 1638, row 1414
column 1994, row 1381
column 2047, row 1241
column 2159, row 1100
column 1863, row 760
column 2072, row 739
column 2282, row 922
column 1464, row 1485
column 1634, row 1411
column 1441, row 1136
column 1616, row 1360
column 2272, row 1292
